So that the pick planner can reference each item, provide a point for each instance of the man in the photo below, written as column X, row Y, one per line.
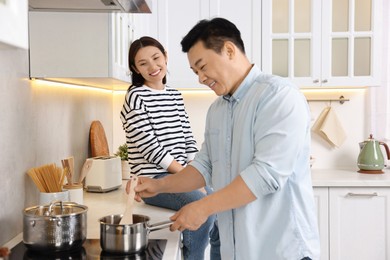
column 255, row 155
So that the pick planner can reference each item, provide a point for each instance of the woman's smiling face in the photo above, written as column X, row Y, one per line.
column 151, row 63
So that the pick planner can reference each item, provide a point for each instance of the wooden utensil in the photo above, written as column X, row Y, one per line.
column 71, row 166
column 87, row 165
column 68, row 165
column 63, row 173
column 128, row 215
column 66, row 170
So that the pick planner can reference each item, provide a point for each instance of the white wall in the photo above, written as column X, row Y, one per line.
column 351, row 115
column 39, row 124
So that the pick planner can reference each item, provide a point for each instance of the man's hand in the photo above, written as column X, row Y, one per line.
column 190, row 217
column 147, row 187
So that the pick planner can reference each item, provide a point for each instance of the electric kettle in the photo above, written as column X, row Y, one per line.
column 370, row 159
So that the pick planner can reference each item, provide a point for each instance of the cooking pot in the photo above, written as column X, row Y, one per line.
column 127, row 238
column 55, row 227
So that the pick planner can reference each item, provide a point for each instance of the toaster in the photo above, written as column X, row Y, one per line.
column 105, row 174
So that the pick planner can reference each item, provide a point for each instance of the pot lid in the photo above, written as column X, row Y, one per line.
column 57, row 208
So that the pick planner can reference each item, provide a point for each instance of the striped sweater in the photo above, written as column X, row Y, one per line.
column 157, row 130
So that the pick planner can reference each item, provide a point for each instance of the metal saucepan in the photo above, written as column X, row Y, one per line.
column 128, row 238
column 55, row 227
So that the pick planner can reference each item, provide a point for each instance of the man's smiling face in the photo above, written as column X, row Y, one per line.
column 211, row 68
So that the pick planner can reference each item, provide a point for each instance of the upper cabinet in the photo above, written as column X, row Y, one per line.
column 81, row 48
column 92, row 6
column 13, row 24
column 318, row 43
column 245, row 14
column 122, row 34
column 92, row 48
column 171, row 20
column 315, row 43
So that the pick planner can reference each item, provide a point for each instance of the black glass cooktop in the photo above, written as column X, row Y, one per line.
column 90, row 250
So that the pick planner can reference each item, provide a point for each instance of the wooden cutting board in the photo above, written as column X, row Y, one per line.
column 98, row 140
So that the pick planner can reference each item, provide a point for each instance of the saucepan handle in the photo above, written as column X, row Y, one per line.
column 160, row 225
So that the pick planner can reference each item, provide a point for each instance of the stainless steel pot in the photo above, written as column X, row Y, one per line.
column 128, row 238
column 55, row 227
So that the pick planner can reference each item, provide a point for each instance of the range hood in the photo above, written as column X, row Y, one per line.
column 126, row 6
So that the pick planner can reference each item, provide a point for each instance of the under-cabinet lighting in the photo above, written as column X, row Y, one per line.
column 182, row 90
column 331, row 90
column 119, row 92
column 51, row 83
column 195, row 91
column 304, row 90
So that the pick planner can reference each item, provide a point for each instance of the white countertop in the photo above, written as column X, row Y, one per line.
column 349, row 178
column 114, row 202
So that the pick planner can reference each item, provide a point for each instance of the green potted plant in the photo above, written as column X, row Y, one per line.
column 122, row 153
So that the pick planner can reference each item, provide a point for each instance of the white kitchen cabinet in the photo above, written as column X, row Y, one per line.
column 122, row 35
column 353, row 222
column 81, row 48
column 359, row 223
column 169, row 23
column 320, row 43
column 13, row 24
column 171, row 20
column 245, row 14
column 321, row 197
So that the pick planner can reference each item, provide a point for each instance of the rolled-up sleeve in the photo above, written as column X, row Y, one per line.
column 278, row 137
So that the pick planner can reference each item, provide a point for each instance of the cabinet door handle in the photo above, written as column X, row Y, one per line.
column 316, row 81
column 325, row 81
column 351, row 194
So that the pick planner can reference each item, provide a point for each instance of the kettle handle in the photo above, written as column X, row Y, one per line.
column 386, row 148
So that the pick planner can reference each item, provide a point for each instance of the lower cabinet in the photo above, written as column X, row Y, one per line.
column 321, row 198
column 354, row 222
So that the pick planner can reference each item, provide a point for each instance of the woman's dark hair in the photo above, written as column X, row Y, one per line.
column 213, row 33
column 135, row 46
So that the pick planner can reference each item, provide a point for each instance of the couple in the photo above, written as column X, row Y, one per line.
column 255, row 155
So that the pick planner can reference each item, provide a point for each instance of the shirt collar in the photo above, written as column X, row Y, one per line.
column 244, row 86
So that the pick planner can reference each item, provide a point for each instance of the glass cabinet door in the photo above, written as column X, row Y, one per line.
column 350, row 34
column 316, row 43
column 291, row 39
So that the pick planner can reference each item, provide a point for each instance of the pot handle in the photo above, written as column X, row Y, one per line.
column 160, row 225
column 50, row 209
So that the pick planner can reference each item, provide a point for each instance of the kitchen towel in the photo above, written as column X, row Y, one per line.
column 329, row 127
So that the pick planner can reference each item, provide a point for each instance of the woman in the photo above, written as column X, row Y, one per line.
column 158, row 134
